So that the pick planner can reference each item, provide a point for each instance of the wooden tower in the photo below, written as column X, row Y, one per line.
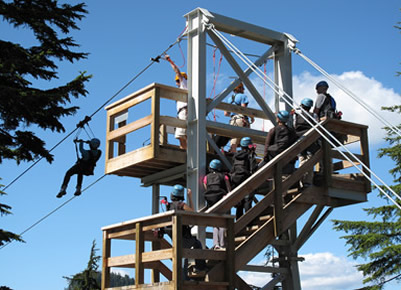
column 273, row 220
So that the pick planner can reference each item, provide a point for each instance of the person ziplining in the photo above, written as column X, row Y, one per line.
column 84, row 165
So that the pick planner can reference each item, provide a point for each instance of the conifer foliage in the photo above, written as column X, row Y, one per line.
column 21, row 103
column 87, row 279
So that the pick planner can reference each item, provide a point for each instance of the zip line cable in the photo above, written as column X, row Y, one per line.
column 348, row 92
column 288, row 100
column 88, row 118
column 53, row 211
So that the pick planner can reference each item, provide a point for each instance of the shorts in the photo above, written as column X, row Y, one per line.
column 237, row 120
column 181, row 132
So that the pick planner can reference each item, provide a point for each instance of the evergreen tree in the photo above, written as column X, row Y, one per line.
column 379, row 241
column 22, row 105
column 87, row 279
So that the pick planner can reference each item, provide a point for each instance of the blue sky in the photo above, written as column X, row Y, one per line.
column 354, row 41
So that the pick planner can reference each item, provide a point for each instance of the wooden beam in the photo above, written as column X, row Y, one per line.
column 129, row 128
column 105, row 265
column 139, row 248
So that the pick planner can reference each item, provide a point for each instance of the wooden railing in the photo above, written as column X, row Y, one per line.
column 143, row 230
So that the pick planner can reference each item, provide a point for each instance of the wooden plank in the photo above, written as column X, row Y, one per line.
column 126, row 261
column 203, row 254
column 177, row 252
column 253, row 213
column 230, row 250
column 105, row 266
column 128, row 103
column 129, row 128
column 264, row 269
column 173, row 122
column 348, row 184
column 139, row 248
column 278, row 199
column 235, row 132
column 337, row 155
column 128, row 159
column 155, row 274
column 155, row 126
column 157, row 255
column 240, row 110
column 165, row 271
column 109, row 145
column 365, row 158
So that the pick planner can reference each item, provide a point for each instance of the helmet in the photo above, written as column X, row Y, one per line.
column 239, row 87
column 283, row 116
column 94, row 143
column 307, row 102
column 215, row 164
column 245, row 142
column 183, row 74
column 322, row 84
column 178, row 191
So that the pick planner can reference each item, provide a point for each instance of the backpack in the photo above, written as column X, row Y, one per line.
column 242, row 167
column 329, row 108
column 87, row 167
column 179, row 205
column 216, row 187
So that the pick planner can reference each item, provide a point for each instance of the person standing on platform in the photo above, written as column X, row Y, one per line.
column 182, row 108
column 240, row 120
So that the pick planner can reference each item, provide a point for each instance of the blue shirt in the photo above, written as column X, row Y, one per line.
column 238, row 99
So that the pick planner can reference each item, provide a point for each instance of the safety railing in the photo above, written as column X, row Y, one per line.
column 164, row 255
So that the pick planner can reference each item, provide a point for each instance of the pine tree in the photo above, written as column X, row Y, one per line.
column 87, row 279
column 22, row 105
column 379, row 241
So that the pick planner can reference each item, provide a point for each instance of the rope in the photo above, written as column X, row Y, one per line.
column 290, row 101
column 53, row 211
column 349, row 93
column 88, row 118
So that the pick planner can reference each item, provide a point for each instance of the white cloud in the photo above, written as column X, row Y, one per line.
column 369, row 90
column 329, row 272
column 318, row 271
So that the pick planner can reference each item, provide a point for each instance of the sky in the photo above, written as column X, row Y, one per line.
column 354, row 41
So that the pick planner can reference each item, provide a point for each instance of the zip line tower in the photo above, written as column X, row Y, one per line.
column 273, row 220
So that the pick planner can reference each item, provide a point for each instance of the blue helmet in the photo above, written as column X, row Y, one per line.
column 94, row 143
column 307, row 102
column 322, row 84
column 215, row 164
column 178, row 191
column 283, row 116
column 245, row 142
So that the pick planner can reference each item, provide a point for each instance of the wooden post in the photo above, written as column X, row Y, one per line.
column 365, row 156
column 327, row 163
column 177, row 252
column 106, row 255
column 121, row 140
column 155, row 126
column 155, row 244
column 278, row 199
column 230, row 258
column 139, row 248
column 109, row 144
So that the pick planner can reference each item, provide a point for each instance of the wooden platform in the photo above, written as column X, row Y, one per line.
column 164, row 162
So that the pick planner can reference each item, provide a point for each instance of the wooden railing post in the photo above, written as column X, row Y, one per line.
column 230, row 251
column 327, row 163
column 139, row 248
column 278, row 198
column 155, row 126
column 105, row 267
column 177, row 252
column 365, row 156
